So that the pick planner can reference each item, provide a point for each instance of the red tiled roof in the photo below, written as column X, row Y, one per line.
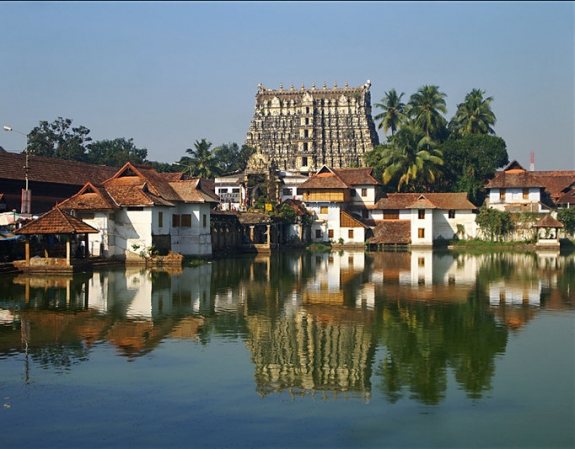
column 548, row 222
column 56, row 222
column 556, row 182
column 444, row 201
column 340, row 178
column 392, row 231
column 567, row 198
column 356, row 176
column 52, row 170
column 89, row 197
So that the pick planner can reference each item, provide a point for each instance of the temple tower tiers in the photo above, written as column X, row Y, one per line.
column 307, row 128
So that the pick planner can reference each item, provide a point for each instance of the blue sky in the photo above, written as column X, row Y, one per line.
column 169, row 73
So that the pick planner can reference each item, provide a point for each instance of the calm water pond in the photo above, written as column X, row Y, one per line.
column 340, row 349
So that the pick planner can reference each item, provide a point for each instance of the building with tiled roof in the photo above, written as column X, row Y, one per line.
column 419, row 219
column 339, row 200
column 50, row 180
column 139, row 210
column 515, row 189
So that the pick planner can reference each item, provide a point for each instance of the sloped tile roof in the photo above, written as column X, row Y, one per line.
column 189, row 192
column 340, row 178
column 52, row 170
column 56, row 221
column 556, row 182
column 131, row 176
column 422, row 203
column 444, row 201
column 548, row 222
column 392, row 232
column 89, row 197
column 567, row 198
column 356, row 176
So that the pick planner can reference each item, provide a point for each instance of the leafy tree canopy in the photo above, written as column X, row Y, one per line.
column 567, row 217
column 59, row 140
column 470, row 162
column 115, row 152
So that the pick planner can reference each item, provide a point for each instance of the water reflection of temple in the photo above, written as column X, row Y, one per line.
column 320, row 344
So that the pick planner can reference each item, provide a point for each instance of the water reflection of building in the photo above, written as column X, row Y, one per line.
column 423, row 275
column 132, row 309
column 322, row 352
column 523, row 283
column 320, row 342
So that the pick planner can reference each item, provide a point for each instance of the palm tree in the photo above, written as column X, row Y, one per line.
column 202, row 164
column 393, row 115
column 411, row 159
column 474, row 115
column 425, row 108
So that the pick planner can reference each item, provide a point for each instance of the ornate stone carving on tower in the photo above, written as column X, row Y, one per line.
column 308, row 128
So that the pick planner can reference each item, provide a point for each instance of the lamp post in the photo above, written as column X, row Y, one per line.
column 25, row 206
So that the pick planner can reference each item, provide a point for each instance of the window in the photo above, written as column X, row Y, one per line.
column 287, row 192
column 318, row 233
column 223, row 190
column 501, row 194
column 330, row 233
column 306, row 133
column 421, row 233
column 160, row 219
column 421, row 261
column 304, row 159
column 451, row 213
column 525, row 194
column 204, row 220
column 391, row 214
column 323, row 210
column 350, row 233
column 186, row 220
column 421, row 214
column 363, row 192
column 236, row 190
column 175, row 221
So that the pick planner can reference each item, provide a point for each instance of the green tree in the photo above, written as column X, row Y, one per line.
column 411, row 160
column 425, row 108
column 201, row 162
column 494, row 223
column 473, row 116
column 567, row 217
column 231, row 158
column 470, row 162
column 115, row 152
column 59, row 140
column 393, row 115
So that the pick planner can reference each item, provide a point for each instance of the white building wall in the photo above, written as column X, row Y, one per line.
column 195, row 240
column 426, row 224
column 445, row 227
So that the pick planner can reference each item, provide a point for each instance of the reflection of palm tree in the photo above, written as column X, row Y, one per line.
column 393, row 115
column 474, row 115
column 411, row 159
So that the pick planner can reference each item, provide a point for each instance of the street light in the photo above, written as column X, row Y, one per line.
column 26, row 200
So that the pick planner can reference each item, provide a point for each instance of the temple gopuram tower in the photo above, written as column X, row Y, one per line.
column 302, row 130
